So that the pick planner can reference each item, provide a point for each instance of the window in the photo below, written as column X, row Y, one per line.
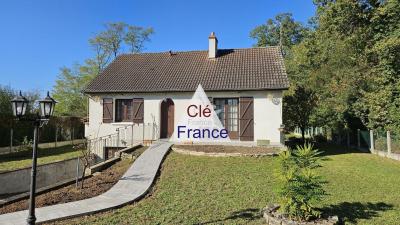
column 227, row 110
column 123, row 110
column 220, row 110
column 232, row 114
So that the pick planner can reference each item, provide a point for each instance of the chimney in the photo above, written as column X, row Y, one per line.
column 212, row 46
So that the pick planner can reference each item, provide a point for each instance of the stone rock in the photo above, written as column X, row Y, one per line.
column 333, row 219
column 273, row 217
column 288, row 222
column 127, row 156
column 274, row 221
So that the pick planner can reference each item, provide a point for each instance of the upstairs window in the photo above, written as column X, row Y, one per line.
column 123, row 109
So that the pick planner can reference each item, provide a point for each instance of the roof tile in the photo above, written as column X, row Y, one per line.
column 233, row 69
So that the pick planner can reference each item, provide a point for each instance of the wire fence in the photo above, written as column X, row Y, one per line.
column 380, row 140
column 395, row 142
column 374, row 140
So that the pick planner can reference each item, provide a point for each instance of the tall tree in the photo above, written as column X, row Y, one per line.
column 380, row 100
column 299, row 107
column 282, row 30
column 68, row 91
column 113, row 37
column 349, row 59
column 299, row 101
column 136, row 37
column 102, row 52
column 106, row 45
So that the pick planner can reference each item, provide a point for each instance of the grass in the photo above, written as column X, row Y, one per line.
column 363, row 189
column 22, row 159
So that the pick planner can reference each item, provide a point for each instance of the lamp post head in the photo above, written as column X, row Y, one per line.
column 47, row 106
column 19, row 105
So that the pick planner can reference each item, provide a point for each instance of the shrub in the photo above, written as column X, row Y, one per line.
column 319, row 138
column 293, row 141
column 301, row 185
column 26, row 144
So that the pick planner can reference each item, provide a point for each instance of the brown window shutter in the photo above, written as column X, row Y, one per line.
column 138, row 110
column 246, row 118
column 107, row 110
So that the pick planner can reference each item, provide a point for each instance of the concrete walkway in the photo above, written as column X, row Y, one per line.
column 133, row 185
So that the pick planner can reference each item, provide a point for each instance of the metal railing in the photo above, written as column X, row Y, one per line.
column 124, row 136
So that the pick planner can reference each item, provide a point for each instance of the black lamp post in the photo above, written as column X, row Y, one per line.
column 19, row 105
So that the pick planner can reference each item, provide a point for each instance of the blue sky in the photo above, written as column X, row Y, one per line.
column 39, row 37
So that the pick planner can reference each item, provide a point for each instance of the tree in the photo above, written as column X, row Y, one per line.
column 299, row 106
column 106, row 45
column 68, row 90
column 86, row 160
column 349, row 59
column 136, row 37
column 6, row 95
column 299, row 102
column 283, row 30
column 112, row 37
column 102, row 52
column 380, row 100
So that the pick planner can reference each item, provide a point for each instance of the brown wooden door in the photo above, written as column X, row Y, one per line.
column 246, row 119
column 167, row 118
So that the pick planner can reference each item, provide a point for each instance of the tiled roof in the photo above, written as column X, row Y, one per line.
column 232, row 69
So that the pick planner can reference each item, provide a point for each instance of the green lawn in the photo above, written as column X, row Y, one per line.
column 16, row 160
column 363, row 188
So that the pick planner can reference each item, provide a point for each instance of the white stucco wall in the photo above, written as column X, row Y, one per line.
column 267, row 115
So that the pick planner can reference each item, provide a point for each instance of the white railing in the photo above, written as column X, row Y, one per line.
column 124, row 136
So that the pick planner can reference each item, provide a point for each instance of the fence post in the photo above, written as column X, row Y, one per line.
column 388, row 142
column 371, row 137
column 11, row 139
column 358, row 138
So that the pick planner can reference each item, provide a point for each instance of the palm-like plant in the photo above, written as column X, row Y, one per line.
column 301, row 185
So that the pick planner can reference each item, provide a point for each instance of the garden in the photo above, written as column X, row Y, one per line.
column 361, row 188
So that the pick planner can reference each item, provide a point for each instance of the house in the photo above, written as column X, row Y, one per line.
column 148, row 92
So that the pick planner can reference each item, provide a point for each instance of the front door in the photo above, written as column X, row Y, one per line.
column 167, row 118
